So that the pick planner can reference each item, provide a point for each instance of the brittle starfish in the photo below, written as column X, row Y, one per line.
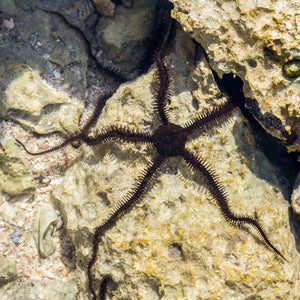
column 169, row 140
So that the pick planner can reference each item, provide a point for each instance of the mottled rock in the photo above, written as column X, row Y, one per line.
column 175, row 244
column 38, row 290
column 8, row 271
column 8, row 24
column 254, row 40
column 43, row 227
column 7, row 213
column 105, row 7
column 126, row 38
column 16, row 236
column 36, row 105
column 78, row 13
column 44, row 42
column 15, row 173
column 295, row 200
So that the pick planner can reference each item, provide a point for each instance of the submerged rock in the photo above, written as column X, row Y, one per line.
column 176, row 242
column 36, row 105
column 8, row 271
column 105, row 7
column 256, row 41
column 129, row 38
column 15, row 173
column 38, row 289
column 295, row 201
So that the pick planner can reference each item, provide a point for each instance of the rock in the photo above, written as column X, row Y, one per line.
column 36, row 105
column 48, row 55
column 7, row 213
column 258, row 42
column 16, row 236
column 295, row 200
column 78, row 13
column 15, row 173
column 43, row 228
column 45, row 43
column 126, row 40
column 175, row 243
column 38, row 290
column 8, row 24
column 105, row 7
column 8, row 271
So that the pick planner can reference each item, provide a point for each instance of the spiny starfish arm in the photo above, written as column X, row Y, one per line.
column 97, row 110
column 210, row 118
column 198, row 164
column 118, row 133
column 142, row 185
column 162, row 86
column 77, row 136
column 70, row 140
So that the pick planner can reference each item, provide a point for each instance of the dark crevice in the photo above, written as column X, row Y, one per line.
column 107, row 284
column 286, row 163
column 277, row 154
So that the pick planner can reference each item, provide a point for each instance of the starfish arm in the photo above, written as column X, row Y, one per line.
column 78, row 135
column 142, row 185
column 209, row 118
column 97, row 110
column 120, row 134
column 162, row 86
column 197, row 163
column 55, row 148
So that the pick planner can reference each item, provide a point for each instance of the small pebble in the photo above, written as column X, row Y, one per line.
column 15, row 236
column 8, row 24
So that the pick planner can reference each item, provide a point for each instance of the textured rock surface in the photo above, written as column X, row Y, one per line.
column 253, row 40
column 44, row 42
column 295, row 201
column 175, row 243
column 36, row 105
column 7, row 270
column 35, row 289
column 105, row 7
column 120, row 38
column 15, row 173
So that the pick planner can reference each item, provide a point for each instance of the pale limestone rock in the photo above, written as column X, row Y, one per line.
column 8, row 271
column 15, row 173
column 255, row 40
column 35, row 104
column 295, row 201
column 37, row 289
column 105, row 7
column 175, row 244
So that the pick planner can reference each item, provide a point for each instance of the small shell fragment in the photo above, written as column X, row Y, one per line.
column 43, row 228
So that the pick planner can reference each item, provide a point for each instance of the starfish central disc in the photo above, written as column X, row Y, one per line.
column 169, row 139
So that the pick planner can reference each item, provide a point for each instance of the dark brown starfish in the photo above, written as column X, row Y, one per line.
column 169, row 140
